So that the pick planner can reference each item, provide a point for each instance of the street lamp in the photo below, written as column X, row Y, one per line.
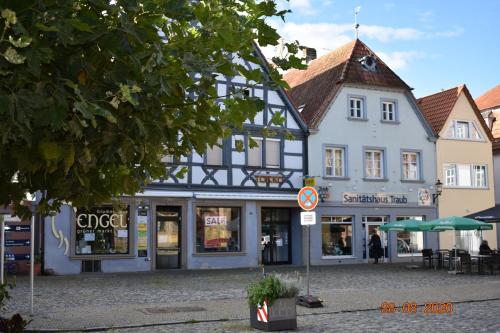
column 439, row 191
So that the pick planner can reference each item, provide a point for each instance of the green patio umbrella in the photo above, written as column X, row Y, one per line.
column 457, row 223
column 405, row 225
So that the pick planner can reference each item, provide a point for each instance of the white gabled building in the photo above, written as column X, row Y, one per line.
column 372, row 154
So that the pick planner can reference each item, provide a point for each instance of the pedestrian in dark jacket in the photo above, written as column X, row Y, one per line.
column 484, row 248
column 376, row 246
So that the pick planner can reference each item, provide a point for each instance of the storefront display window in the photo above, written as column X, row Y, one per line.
column 410, row 243
column 102, row 231
column 218, row 229
column 336, row 234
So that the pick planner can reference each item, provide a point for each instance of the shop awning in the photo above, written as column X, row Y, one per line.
column 170, row 194
column 245, row 196
column 491, row 215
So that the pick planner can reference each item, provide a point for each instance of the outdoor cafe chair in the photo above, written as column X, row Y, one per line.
column 427, row 257
column 466, row 263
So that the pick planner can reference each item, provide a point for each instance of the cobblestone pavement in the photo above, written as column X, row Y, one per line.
column 480, row 316
column 132, row 299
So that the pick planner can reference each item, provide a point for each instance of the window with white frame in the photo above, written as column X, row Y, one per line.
column 214, row 154
column 389, row 111
column 255, row 153
column 356, row 107
column 336, row 235
column 374, row 164
column 409, row 243
column 335, row 162
column 479, row 173
column 465, row 175
column 411, row 166
column 462, row 130
column 273, row 147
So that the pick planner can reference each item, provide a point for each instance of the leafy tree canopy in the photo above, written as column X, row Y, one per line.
column 93, row 93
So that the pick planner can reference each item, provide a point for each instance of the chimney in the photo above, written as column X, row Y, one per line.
column 310, row 54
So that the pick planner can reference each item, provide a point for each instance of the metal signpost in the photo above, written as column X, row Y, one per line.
column 308, row 199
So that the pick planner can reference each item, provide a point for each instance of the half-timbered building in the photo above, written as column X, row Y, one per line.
column 232, row 208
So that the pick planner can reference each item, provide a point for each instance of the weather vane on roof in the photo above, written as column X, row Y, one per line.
column 356, row 25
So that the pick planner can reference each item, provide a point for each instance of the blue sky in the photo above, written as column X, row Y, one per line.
column 431, row 44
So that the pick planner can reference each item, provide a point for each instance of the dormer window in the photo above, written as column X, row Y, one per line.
column 368, row 63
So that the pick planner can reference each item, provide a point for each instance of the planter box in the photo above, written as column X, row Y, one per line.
column 282, row 315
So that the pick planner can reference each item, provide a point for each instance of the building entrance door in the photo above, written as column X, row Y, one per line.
column 372, row 224
column 168, row 237
column 275, row 236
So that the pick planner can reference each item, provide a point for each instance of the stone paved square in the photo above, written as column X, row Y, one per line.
column 214, row 300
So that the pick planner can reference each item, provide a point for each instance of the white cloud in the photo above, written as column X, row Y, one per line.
column 455, row 32
column 303, row 7
column 400, row 59
column 426, row 17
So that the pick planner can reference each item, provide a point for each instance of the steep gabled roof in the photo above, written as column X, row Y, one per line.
column 316, row 87
column 437, row 108
column 489, row 99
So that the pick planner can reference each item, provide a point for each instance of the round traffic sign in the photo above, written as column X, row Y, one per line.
column 308, row 198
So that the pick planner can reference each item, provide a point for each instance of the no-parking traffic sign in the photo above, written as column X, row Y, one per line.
column 308, row 198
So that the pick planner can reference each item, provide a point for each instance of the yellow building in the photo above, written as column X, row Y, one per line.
column 464, row 162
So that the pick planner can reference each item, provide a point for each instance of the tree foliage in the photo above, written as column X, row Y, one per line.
column 93, row 93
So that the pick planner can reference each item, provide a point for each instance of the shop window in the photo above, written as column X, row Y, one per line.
column 102, row 231
column 410, row 243
column 218, row 229
column 336, row 235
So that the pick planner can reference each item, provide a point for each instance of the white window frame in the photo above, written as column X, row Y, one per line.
column 354, row 110
column 386, row 112
column 279, row 154
column 333, row 161
column 372, row 151
column 418, row 175
column 214, row 150
column 260, row 154
column 454, row 167
column 452, row 131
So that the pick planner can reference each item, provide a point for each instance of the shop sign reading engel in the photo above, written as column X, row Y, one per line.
column 101, row 218
column 379, row 198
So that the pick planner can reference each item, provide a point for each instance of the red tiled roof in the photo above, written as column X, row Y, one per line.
column 316, row 87
column 489, row 99
column 437, row 107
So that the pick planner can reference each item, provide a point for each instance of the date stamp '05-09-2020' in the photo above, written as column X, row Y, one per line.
column 413, row 307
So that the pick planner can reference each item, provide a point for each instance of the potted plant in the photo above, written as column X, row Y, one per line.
column 272, row 303
column 14, row 324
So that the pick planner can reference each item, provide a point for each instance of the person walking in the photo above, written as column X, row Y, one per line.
column 375, row 245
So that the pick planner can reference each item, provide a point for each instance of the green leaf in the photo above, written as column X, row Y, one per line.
column 21, row 42
column 13, row 57
column 43, row 27
column 9, row 16
column 50, row 151
column 79, row 25
column 127, row 94
column 69, row 159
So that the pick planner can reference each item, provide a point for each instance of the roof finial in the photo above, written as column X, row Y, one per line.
column 356, row 25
